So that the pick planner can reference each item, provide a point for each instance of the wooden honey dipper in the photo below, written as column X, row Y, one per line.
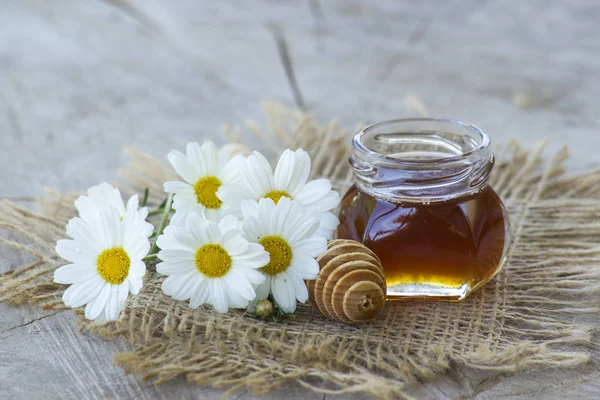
column 350, row 286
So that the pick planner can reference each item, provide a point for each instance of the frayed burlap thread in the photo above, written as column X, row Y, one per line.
column 522, row 318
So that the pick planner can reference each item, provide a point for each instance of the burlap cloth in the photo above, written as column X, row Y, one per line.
column 523, row 318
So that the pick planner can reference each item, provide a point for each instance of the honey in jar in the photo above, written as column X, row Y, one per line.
column 421, row 201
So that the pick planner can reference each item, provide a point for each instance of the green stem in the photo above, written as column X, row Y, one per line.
column 163, row 223
column 145, row 201
column 150, row 257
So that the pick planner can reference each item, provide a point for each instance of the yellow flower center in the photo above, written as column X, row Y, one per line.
column 280, row 254
column 113, row 265
column 206, row 191
column 212, row 260
column 276, row 195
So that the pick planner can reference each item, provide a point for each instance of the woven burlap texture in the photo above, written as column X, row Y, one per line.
column 522, row 318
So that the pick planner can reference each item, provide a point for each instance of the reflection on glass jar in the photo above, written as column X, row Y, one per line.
column 422, row 203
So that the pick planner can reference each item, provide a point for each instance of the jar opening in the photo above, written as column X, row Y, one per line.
column 421, row 140
column 421, row 159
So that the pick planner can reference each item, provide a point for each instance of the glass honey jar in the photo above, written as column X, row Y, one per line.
column 421, row 201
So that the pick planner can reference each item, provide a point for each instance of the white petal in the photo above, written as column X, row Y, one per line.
column 203, row 158
column 187, row 202
column 112, row 308
column 224, row 156
column 201, row 293
column 137, row 269
column 195, row 219
column 142, row 213
column 258, row 174
column 229, row 223
column 176, row 255
column 302, row 230
column 72, row 250
column 306, row 266
column 212, row 232
column 83, row 292
column 229, row 168
column 234, row 299
column 232, row 195
column 292, row 171
column 313, row 246
column 263, row 290
column 254, row 276
column 281, row 217
column 178, row 219
column 186, row 290
column 202, row 231
column 284, row 171
column 181, row 286
column 235, row 245
column 178, row 187
column 87, row 209
column 116, row 301
column 294, row 215
column 254, row 257
column 314, row 191
column 109, row 230
column 214, row 214
column 104, row 195
column 172, row 267
column 169, row 240
column 81, row 231
column 249, row 208
column 134, row 221
column 317, row 196
column 328, row 223
column 299, row 285
column 136, row 229
column 74, row 273
column 123, row 293
column 95, row 307
column 183, row 167
column 251, row 228
column 133, row 203
column 106, row 314
column 265, row 211
column 135, row 285
column 282, row 288
column 239, row 291
column 219, row 295
column 238, row 283
column 185, row 238
column 135, row 238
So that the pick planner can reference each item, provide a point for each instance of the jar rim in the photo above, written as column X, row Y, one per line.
column 482, row 146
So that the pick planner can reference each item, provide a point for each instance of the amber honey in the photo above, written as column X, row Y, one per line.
column 438, row 250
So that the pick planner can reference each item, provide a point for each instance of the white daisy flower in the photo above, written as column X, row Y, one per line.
column 210, row 263
column 287, row 232
column 204, row 169
column 290, row 179
column 104, row 195
column 106, row 261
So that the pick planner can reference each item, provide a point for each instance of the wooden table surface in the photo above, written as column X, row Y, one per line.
column 80, row 80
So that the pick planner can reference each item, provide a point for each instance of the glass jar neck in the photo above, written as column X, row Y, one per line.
column 421, row 160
